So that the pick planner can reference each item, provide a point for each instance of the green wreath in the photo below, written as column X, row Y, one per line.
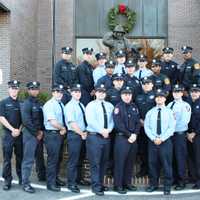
column 121, row 9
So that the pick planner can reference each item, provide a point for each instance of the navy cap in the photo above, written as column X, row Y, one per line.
column 100, row 55
column 146, row 80
column 130, row 63
column 110, row 64
column 126, row 90
column 160, row 92
column 76, row 87
column 118, row 77
column 33, row 85
column 142, row 58
column 100, row 88
column 58, row 88
column 155, row 61
column 13, row 84
column 168, row 50
column 87, row 50
column 120, row 53
column 194, row 87
column 66, row 50
column 178, row 88
column 186, row 49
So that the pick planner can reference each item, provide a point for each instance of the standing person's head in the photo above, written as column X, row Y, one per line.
column 147, row 84
column 160, row 97
column 109, row 67
column 76, row 92
column 87, row 54
column 100, row 92
column 195, row 92
column 33, row 88
column 57, row 92
column 101, row 58
column 126, row 95
column 177, row 92
column 120, row 57
column 66, row 53
column 168, row 53
column 13, row 88
column 186, row 52
column 130, row 67
column 118, row 81
column 142, row 61
column 155, row 67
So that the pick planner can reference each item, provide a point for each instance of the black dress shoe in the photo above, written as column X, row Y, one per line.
column 120, row 190
column 74, row 188
column 7, row 185
column 130, row 187
column 167, row 192
column 151, row 188
column 105, row 188
column 196, row 187
column 53, row 188
column 28, row 188
column 60, row 182
column 180, row 186
column 98, row 193
column 84, row 183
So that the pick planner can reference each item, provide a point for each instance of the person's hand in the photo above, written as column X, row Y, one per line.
column 15, row 132
column 157, row 141
column 39, row 135
column 63, row 131
column 84, row 135
column 190, row 136
column 132, row 138
column 105, row 133
column 142, row 122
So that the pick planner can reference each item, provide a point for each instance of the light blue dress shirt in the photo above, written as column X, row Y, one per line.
column 182, row 113
column 144, row 73
column 98, row 73
column 168, row 123
column 119, row 69
column 95, row 116
column 52, row 110
column 73, row 113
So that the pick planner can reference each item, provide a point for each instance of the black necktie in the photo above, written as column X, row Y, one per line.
column 171, row 107
column 63, row 116
column 83, row 112
column 140, row 74
column 105, row 116
column 159, row 122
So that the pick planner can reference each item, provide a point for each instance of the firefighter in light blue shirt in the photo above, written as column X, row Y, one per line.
column 100, row 69
column 182, row 113
column 159, row 126
column 76, row 124
column 99, row 125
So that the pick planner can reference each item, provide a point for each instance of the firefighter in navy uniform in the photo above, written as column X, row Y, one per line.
column 127, row 124
column 168, row 66
column 85, row 76
column 160, row 81
column 10, row 118
column 132, row 81
column 32, row 120
column 189, row 70
column 144, row 101
column 65, row 72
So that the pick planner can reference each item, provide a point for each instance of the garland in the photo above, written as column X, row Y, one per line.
column 121, row 9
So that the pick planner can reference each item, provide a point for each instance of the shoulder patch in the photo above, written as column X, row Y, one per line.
column 188, row 108
column 197, row 66
column 116, row 111
column 167, row 81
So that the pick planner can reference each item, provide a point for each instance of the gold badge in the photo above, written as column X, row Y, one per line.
column 197, row 66
column 167, row 81
column 116, row 111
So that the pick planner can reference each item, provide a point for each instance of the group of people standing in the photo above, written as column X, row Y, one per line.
column 116, row 111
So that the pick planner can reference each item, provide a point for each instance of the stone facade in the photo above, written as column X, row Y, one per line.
column 28, row 36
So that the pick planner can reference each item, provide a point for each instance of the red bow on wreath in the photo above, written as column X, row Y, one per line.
column 122, row 8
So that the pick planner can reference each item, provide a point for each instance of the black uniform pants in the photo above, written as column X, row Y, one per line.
column 74, row 143
column 160, row 154
column 98, row 154
column 10, row 143
column 53, row 141
column 124, row 158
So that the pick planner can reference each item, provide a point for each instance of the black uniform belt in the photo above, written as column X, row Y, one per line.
column 180, row 132
column 53, row 131
column 121, row 134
